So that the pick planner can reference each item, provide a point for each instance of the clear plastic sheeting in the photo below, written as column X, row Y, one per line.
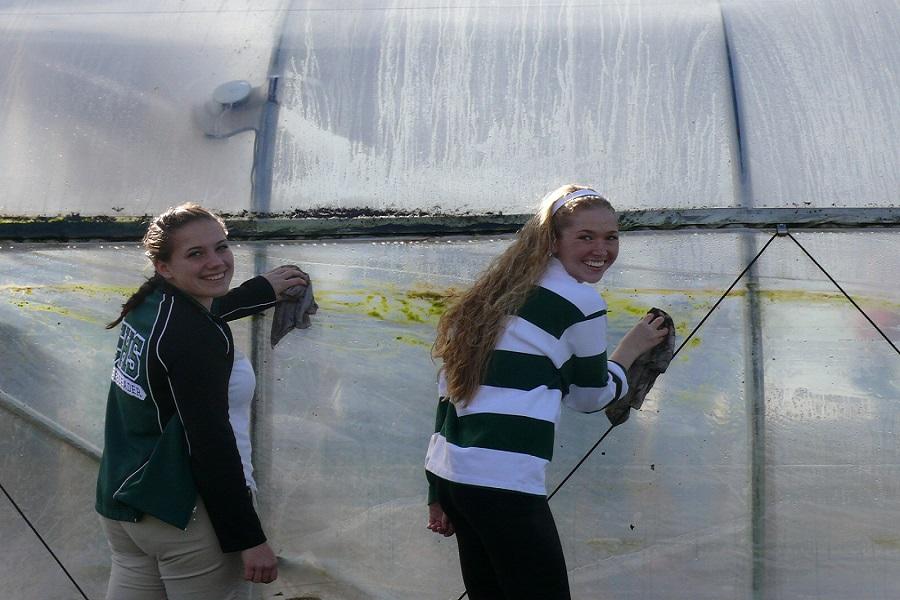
column 817, row 84
column 97, row 102
column 475, row 107
column 763, row 463
column 53, row 485
column 457, row 107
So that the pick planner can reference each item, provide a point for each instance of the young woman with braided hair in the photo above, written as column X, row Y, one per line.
column 172, row 491
column 526, row 338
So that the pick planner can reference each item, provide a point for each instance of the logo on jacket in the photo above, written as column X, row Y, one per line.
column 128, row 361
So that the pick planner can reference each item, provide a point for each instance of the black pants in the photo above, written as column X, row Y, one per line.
column 508, row 544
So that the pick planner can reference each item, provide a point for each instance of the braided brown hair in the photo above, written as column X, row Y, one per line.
column 157, row 244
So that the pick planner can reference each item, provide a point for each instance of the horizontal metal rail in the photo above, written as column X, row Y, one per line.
column 48, row 425
column 336, row 224
column 348, row 223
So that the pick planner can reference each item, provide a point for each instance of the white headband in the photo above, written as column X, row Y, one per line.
column 571, row 196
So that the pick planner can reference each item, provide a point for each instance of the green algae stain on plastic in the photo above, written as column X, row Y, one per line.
column 417, row 306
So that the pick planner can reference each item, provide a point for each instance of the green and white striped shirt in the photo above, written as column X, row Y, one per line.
column 552, row 352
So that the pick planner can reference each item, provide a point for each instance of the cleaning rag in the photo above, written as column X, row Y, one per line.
column 643, row 372
column 293, row 312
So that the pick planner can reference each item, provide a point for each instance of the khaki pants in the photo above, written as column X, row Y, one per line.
column 152, row 560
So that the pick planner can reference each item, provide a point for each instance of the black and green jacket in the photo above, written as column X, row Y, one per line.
column 167, row 435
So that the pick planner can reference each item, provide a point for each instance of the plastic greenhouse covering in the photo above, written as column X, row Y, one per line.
column 764, row 464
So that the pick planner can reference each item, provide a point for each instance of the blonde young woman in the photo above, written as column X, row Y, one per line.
column 526, row 338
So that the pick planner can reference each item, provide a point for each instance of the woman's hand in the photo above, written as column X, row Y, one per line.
column 260, row 564
column 285, row 277
column 647, row 333
column 438, row 521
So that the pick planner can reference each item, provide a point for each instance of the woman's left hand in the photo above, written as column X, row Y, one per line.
column 260, row 564
column 285, row 277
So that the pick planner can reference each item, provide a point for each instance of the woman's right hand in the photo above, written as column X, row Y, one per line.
column 646, row 334
column 438, row 521
column 260, row 564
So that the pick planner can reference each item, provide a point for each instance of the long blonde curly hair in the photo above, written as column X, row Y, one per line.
column 469, row 330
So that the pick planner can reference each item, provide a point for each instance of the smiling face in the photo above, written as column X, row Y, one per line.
column 200, row 263
column 588, row 243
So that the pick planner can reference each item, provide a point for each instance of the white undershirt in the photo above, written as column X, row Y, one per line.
column 240, row 395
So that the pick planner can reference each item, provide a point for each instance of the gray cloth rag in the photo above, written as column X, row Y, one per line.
column 293, row 312
column 643, row 372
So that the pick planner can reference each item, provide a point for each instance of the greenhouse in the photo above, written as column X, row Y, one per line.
column 392, row 149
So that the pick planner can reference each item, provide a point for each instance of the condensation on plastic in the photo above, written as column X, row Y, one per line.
column 485, row 107
column 458, row 107
column 817, row 84
column 345, row 409
column 97, row 101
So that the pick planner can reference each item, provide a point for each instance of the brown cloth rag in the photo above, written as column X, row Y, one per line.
column 293, row 312
column 643, row 372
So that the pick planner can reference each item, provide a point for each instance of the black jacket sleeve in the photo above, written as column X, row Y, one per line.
column 196, row 353
column 253, row 296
